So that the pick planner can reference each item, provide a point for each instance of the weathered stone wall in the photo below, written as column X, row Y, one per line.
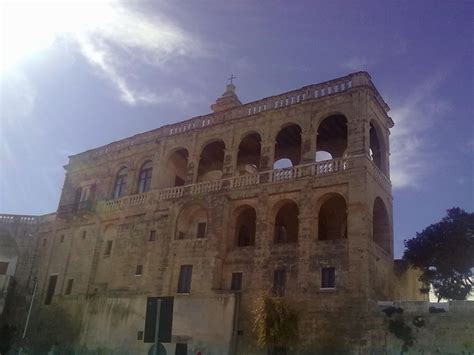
column 434, row 328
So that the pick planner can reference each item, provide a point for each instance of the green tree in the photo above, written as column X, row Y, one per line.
column 51, row 326
column 276, row 323
column 444, row 252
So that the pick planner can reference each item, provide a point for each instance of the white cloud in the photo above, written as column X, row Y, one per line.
column 17, row 96
column 128, row 40
column 357, row 63
column 410, row 145
column 114, row 39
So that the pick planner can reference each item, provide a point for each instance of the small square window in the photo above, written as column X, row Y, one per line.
column 201, row 230
column 328, row 277
column 152, row 236
column 69, row 287
column 236, row 283
column 108, row 248
column 139, row 270
column 140, row 335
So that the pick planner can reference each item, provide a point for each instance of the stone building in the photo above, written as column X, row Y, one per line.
column 203, row 211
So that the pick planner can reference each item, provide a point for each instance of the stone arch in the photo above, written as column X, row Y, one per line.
column 176, row 168
column 211, row 162
column 245, row 226
column 191, row 222
column 377, row 146
column 332, row 217
column 248, row 156
column 288, row 143
column 381, row 231
column 286, row 225
column 120, row 182
column 332, row 136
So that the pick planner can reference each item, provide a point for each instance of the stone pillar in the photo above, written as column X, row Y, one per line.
column 267, row 154
column 358, row 138
column 230, row 161
column 158, row 165
column 308, row 146
column 192, row 173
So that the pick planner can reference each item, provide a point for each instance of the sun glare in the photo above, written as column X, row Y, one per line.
column 30, row 27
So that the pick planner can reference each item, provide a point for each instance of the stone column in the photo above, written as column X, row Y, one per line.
column 230, row 161
column 267, row 154
column 357, row 137
column 192, row 173
column 308, row 146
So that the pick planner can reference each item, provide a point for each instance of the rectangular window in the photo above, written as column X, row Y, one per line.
column 69, row 286
column 201, row 230
column 108, row 248
column 62, row 238
column 236, row 283
column 184, row 281
column 84, row 234
column 3, row 267
column 51, row 289
column 279, row 282
column 152, row 236
column 139, row 270
column 181, row 235
column 140, row 335
column 328, row 277
column 44, row 242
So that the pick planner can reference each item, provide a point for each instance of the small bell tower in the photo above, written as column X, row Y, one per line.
column 228, row 99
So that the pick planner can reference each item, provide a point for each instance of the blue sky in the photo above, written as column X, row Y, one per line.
column 74, row 76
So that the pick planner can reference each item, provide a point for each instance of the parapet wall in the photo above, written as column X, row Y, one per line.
column 421, row 328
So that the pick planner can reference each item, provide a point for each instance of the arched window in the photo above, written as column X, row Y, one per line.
column 333, row 219
column 144, row 179
column 332, row 138
column 377, row 148
column 192, row 223
column 381, row 225
column 120, row 183
column 245, row 227
column 211, row 162
column 286, row 223
column 248, row 158
column 288, row 144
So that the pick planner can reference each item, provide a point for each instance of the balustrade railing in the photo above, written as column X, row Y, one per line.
column 206, row 187
column 329, row 166
column 319, row 168
column 13, row 218
column 169, row 193
column 286, row 173
column 381, row 177
column 244, row 180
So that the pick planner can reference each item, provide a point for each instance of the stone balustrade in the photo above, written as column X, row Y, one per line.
column 380, row 177
column 315, row 169
column 13, row 218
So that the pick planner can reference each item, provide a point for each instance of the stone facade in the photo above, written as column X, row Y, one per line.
column 208, row 193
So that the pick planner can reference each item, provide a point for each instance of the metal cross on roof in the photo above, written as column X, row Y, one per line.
column 232, row 77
